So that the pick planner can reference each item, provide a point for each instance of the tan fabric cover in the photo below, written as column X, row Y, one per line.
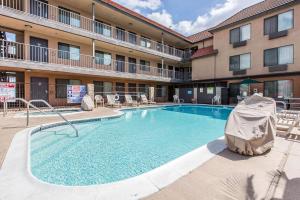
column 251, row 126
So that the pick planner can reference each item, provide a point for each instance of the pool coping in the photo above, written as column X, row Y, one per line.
column 23, row 114
column 132, row 188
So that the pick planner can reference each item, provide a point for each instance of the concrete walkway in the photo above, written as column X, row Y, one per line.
column 232, row 176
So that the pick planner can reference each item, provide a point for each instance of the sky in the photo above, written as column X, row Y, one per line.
column 187, row 16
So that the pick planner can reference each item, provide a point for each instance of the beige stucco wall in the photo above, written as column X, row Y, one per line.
column 256, row 45
column 203, row 68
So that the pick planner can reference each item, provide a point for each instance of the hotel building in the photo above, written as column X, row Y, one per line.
column 47, row 45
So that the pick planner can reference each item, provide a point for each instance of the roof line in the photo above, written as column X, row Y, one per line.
column 140, row 17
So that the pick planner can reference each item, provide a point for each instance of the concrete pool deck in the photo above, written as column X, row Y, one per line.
column 225, row 176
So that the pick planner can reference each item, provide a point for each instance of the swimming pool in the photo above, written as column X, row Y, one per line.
column 112, row 150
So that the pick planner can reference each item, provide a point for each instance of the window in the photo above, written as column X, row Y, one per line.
column 61, row 87
column 279, row 23
column 132, row 65
column 279, row 56
column 240, row 34
column 107, row 88
column 145, row 65
column 102, row 28
column 98, row 87
column 132, row 37
column 278, row 89
column 120, row 34
column 67, row 51
column 103, row 58
column 158, row 91
column 120, row 63
column 11, row 38
column 145, row 42
column 240, row 62
column 67, row 16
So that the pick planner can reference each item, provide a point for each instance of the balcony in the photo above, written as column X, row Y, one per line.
column 26, row 56
column 54, row 17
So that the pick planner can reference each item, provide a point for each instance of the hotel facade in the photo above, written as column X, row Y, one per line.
column 47, row 45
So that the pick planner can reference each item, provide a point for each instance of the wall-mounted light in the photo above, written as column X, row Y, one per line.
column 28, row 26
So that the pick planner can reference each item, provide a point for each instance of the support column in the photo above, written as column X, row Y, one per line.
column 26, row 6
column 93, row 16
column 162, row 67
column 162, row 42
column 93, row 53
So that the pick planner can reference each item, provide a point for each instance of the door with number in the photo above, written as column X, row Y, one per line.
column 39, row 89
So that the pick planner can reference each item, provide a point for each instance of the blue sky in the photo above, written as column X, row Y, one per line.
column 187, row 16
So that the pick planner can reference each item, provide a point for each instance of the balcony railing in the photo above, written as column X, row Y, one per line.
column 37, row 54
column 76, row 20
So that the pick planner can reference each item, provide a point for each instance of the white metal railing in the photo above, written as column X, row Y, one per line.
column 29, row 104
column 25, row 52
column 76, row 20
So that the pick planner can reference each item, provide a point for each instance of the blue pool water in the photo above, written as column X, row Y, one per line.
column 120, row 148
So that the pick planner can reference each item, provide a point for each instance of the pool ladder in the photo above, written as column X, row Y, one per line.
column 29, row 104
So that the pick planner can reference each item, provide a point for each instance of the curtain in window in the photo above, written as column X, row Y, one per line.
column 245, row 61
column 271, row 25
column 271, row 57
column 285, row 21
column 107, row 88
column 285, row 88
column 74, row 19
column 234, row 63
column 99, row 57
column 74, row 53
column 235, row 35
column 245, row 32
column 286, row 55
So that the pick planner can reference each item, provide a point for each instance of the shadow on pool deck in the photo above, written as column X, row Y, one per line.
column 232, row 176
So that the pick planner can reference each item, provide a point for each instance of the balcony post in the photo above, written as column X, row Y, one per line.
column 162, row 66
column 93, row 49
column 162, row 42
column 93, row 13
column 26, row 6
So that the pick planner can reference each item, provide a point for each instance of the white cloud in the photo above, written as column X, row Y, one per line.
column 162, row 17
column 136, row 5
column 216, row 15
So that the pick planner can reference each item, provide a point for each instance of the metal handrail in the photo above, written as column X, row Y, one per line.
column 29, row 104
column 32, row 53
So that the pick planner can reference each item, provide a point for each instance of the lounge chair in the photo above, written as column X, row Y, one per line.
column 111, row 101
column 99, row 99
column 177, row 100
column 129, row 101
column 216, row 100
column 286, row 122
column 144, row 100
